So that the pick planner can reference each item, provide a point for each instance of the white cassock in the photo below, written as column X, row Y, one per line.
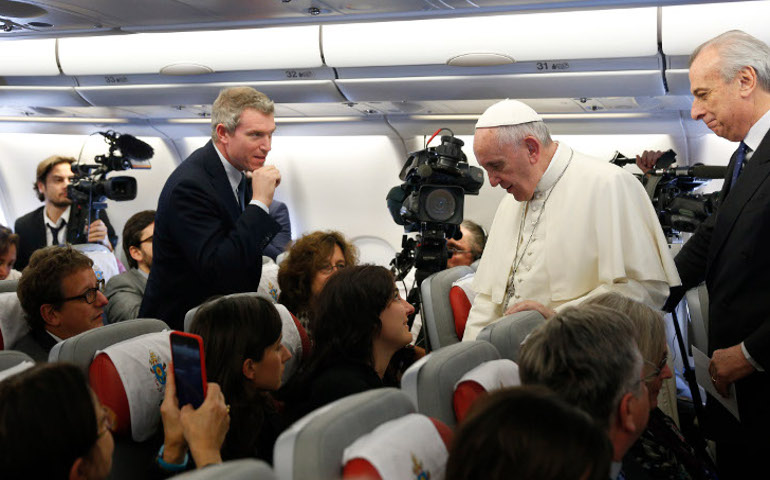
column 589, row 229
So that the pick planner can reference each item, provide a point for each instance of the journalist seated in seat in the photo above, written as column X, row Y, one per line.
column 52, row 426
column 9, row 244
column 312, row 259
column 244, row 354
column 468, row 248
column 661, row 451
column 61, row 297
column 126, row 291
column 359, row 324
column 545, row 438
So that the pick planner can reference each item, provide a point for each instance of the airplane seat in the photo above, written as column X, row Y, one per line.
column 105, row 262
column 475, row 265
column 407, row 447
column 281, row 257
column 508, row 332
column 8, row 285
column 12, row 362
column 315, row 445
column 430, row 382
column 243, row 469
column 461, row 297
column 13, row 323
column 437, row 317
column 188, row 317
column 698, row 305
column 129, row 378
column 268, row 282
column 487, row 377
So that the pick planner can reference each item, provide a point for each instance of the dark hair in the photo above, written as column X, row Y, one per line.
column 233, row 329
column 44, row 168
column 47, row 421
column 528, row 432
column 7, row 238
column 41, row 281
column 347, row 315
column 132, row 233
column 478, row 238
column 305, row 258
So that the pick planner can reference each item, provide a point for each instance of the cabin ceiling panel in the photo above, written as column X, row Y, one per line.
column 41, row 97
column 578, row 84
column 678, row 81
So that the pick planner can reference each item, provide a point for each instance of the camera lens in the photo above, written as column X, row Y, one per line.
column 440, row 205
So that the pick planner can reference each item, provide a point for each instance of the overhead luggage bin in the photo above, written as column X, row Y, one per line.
column 28, row 57
column 190, row 53
column 484, row 40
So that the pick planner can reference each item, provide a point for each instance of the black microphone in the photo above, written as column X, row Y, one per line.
column 696, row 171
column 395, row 199
column 129, row 146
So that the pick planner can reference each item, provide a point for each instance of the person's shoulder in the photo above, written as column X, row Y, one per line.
column 29, row 344
column 29, row 217
column 122, row 279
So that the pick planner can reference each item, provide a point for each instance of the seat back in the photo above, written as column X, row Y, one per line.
column 12, row 358
column 507, row 333
column 430, row 382
column 81, row 348
column 461, row 297
column 188, row 317
column 487, row 377
column 313, row 446
column 105, row 262
column 437, row 316
column 8, row 285
column 698, row 305
column 13, row 325
column 243, row 469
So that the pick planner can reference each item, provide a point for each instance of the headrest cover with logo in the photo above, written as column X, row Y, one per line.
column 487, row 377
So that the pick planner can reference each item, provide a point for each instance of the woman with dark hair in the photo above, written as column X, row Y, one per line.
column 360, row 322
column 9, row 243
column 244, row 355
column 52, row 426
column 310, row 262
column 528, row 432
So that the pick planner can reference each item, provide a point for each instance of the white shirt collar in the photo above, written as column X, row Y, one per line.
column 64, row 216
column 757, row 132
column 233, row 174
column 58, row 340
column 555, row 168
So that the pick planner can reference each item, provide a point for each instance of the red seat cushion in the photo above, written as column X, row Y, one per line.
column 360, row 469
column 464, row 396
column 106, row 383
column 307, row 346
column 461, row 307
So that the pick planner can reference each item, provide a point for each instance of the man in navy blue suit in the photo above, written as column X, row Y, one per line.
column 212, row 222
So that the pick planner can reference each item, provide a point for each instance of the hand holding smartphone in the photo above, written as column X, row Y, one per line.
column 189, row 365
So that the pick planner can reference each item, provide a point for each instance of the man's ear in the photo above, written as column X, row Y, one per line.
column 533, row 149
column 136, row 254
column 747, row 77
column 77, row 470
column 50, row 314
column 40, row 186
column 625, row 413
column 222, row 133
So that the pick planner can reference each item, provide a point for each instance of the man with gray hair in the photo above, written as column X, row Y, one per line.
column 212, row 222
column 730, row 80
column 588, row 356
column 573, row 226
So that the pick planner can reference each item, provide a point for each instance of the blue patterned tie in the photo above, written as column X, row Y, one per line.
column 242, row 192
column 740, row 160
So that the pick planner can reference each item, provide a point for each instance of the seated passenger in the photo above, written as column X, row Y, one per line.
column 545, row 439
column 661, row 451
column 310, row 262
column 359, row 324
column 469, row 247
column 9, row 244
column 125, row 291
column 242, row 341
column 61, row 298
column 589, row 357
column 52, row 426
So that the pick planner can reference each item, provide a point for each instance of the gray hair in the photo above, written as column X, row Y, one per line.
column 738, row 49
column 649, row 330
column 587, row 355
column 514, row 134
column 478, row 239
column 230, row 104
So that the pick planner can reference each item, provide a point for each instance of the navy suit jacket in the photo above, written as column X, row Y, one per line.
column 203, row 244
column 730, row 252
column 280, row 214
column 31, row 230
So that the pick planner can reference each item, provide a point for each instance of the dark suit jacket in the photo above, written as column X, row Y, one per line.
column 280, row 214
column 31, row 230
column 37, row 344
column 730, row 252
column 125, row 293
column 203, row 245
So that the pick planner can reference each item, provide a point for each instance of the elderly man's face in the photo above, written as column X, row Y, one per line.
column 721, row 105
column 510, row 166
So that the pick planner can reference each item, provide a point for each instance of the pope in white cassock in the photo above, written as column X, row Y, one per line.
column 573, row 227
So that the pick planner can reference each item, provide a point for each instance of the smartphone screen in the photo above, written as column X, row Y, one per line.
column 189, row 370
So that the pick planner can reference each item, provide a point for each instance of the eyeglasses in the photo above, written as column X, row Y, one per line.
column 455, row 250
column 148, row 239
column 657, row 368
column 89, row 296
column 329, row 269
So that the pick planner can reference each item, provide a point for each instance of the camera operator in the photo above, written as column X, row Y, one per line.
column 575, row 227
column 468, row 248
column 58, row 221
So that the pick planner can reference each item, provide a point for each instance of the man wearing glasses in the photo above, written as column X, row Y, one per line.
column 61, row 297
column 126, row 291
column 468, row 248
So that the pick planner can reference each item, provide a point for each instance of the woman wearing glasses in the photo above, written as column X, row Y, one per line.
column 311, row 261
column 661, row 451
